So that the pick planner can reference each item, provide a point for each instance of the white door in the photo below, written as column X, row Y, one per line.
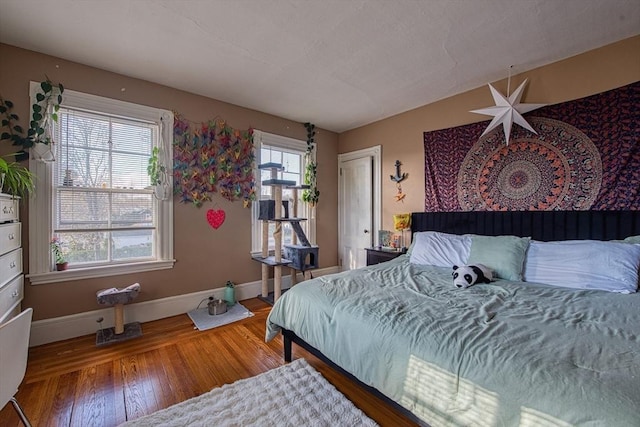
column 358, row 199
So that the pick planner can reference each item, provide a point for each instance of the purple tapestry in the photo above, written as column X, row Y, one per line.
column 586, row 155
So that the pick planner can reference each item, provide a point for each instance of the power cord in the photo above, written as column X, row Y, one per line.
column 205, row 299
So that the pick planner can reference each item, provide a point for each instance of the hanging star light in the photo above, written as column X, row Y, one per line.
column 508, row 110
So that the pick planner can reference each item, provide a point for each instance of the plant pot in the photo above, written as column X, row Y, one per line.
column 62, row 266
column 160, row 192
column 43, row 152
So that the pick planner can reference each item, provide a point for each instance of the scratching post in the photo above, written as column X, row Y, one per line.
column 265, row 254
column 120, row 331
column 277, row 237
column 119, row 318
column 294, row 238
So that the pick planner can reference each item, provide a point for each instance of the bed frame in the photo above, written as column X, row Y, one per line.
column 539, row 225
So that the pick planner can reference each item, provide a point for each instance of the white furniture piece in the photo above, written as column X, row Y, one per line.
column 14, row 349
column 11, row 277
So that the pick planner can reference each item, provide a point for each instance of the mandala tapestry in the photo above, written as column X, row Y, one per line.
column 559, row 168
column 586, row 155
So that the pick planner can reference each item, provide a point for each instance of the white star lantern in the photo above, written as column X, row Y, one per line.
column 507, row 111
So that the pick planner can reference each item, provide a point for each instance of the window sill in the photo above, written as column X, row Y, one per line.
column 94, row 272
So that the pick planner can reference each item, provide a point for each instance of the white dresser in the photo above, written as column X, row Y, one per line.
column 11, row 277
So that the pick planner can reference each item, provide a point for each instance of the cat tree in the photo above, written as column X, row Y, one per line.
column 300, row 255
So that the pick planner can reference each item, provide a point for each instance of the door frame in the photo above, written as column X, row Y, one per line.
column 375, row 153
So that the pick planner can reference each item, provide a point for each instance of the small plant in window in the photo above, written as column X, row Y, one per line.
column 58, row 255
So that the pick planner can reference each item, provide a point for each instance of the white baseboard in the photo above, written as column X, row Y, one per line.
column 76, row 325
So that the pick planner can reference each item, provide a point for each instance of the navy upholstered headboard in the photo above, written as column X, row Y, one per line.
column 539, row 225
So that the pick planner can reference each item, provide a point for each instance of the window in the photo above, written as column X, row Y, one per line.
column 94, row 193
column 290, row 153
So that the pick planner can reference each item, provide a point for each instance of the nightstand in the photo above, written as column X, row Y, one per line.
column 376, row 256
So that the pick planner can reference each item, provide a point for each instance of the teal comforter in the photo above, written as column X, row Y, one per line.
column 502, row 354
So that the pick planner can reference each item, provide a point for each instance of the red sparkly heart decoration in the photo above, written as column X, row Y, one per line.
column 215, row 218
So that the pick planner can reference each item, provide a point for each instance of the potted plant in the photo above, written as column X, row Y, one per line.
column 56, row 249
column 15, row 179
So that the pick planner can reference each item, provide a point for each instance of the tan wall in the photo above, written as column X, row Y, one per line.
column 206, row 258
column 401, row 136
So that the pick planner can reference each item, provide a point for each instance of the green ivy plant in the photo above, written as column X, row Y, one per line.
column 13, row 132
column 155, row 169
column 311, row 195
column 47, row 98
column 45, row 109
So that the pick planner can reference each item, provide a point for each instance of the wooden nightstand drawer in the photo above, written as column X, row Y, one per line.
column 376, row 256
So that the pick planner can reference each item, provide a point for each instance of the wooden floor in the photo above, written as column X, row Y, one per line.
column 74, row 383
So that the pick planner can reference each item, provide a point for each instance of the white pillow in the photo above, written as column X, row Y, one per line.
column 584, row 264
column 440, row 249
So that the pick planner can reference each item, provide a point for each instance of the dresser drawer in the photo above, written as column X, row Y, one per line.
column 8, row 209
column 9, row 237
column 10, row 265
column 11, row 295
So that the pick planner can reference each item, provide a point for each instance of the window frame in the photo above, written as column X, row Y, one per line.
column 261, row 138
column 41, row 208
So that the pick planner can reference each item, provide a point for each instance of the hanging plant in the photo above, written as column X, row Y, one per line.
column 311, row 195
column 43, row 111
column 155, row 169
column 157, row 172
column 46, row 107
column 12, row 131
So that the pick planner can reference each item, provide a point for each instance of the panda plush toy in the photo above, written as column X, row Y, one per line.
column 468, row 275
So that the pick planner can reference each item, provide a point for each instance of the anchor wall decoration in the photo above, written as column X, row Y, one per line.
column 398, row 178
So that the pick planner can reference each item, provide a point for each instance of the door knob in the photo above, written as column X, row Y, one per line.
column 366, row 231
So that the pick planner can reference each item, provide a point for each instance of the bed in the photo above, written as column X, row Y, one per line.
column 508, row 353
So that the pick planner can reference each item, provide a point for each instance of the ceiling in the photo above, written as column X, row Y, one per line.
column 337, row 63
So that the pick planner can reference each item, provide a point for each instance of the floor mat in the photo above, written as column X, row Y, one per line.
column 203, row 320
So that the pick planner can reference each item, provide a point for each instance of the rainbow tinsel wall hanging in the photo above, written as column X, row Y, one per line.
column 212, row 158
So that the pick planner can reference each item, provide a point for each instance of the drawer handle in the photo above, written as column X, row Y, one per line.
column 14, row 294
column 5, row 210
column 12, row 265
column 12, row 236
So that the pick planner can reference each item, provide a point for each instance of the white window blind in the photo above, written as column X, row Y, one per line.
column 102, row 211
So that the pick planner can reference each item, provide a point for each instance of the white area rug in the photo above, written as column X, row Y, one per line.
column 291, row 395
column 203, row 320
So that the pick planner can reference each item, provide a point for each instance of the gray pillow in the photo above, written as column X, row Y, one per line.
column 505, row 255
